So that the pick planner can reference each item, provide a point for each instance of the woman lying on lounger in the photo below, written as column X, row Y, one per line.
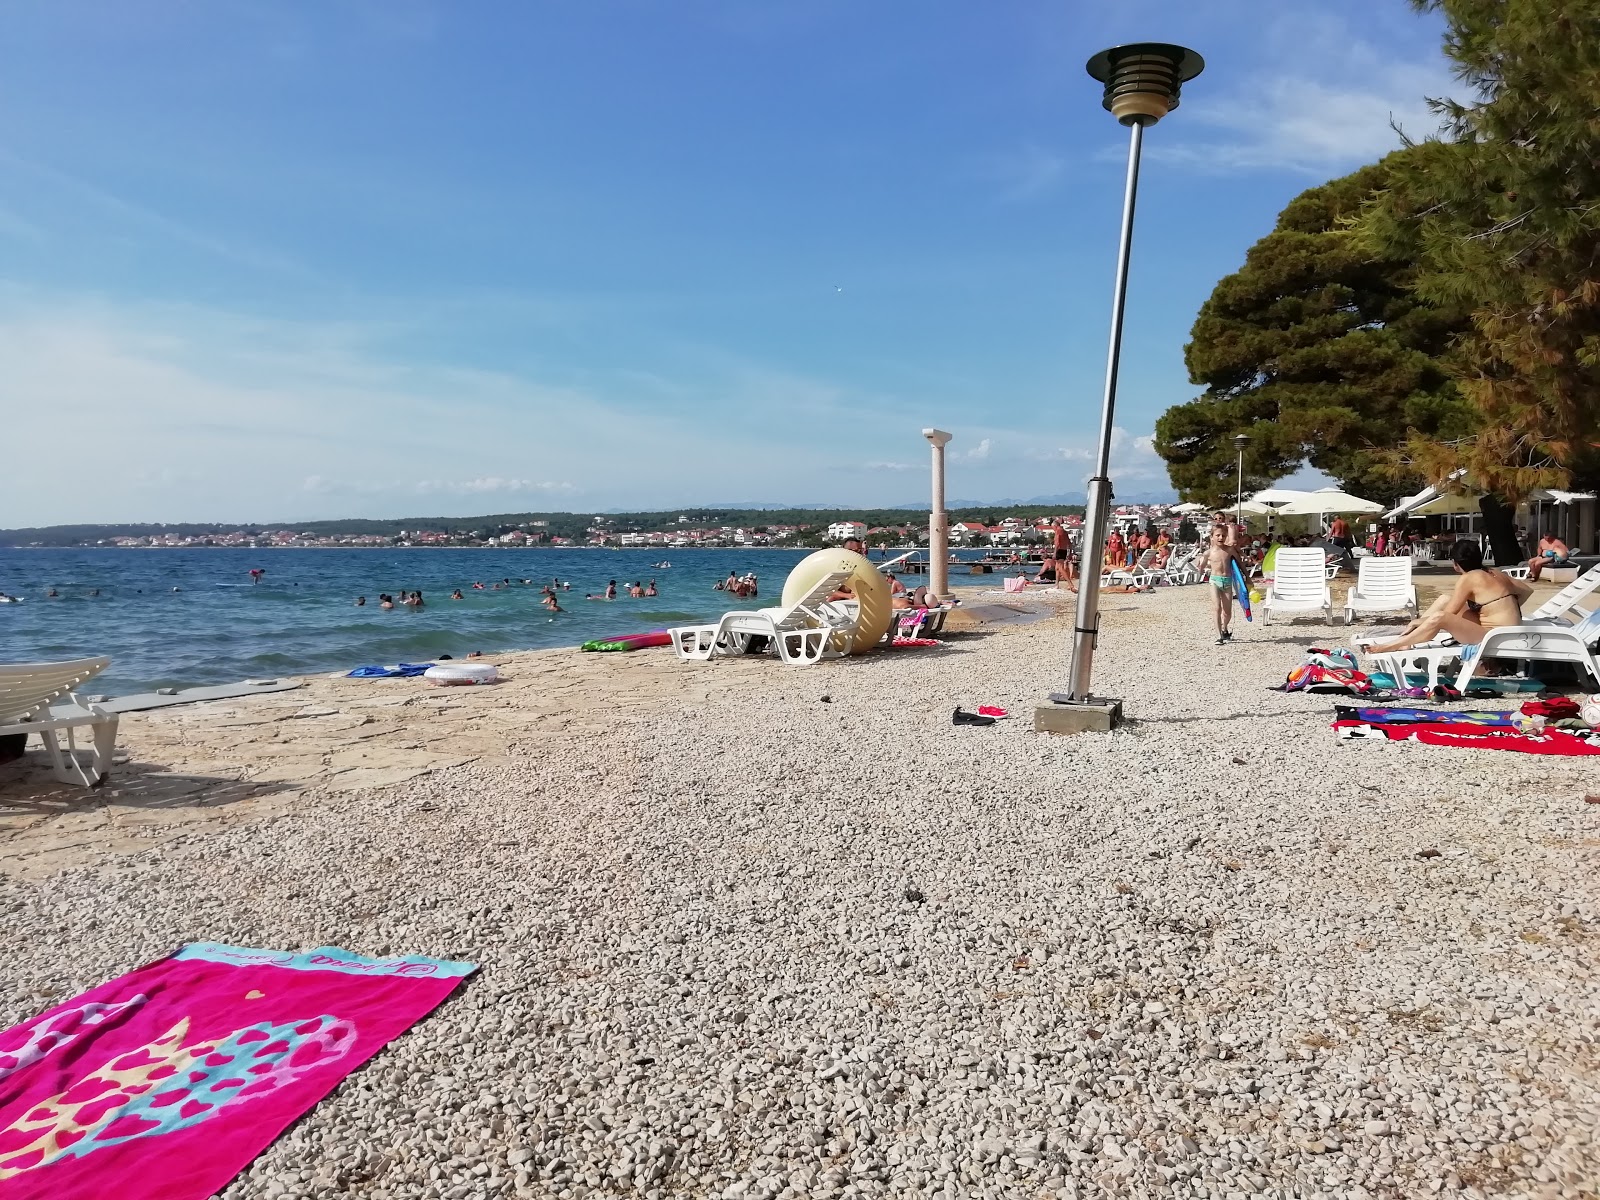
column 1482, row 599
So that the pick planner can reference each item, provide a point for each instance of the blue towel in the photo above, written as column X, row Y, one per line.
column 404, row 670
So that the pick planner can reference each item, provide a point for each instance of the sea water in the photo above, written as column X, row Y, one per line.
column 219, row 627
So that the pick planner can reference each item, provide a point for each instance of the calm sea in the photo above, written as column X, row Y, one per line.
column 219, row 628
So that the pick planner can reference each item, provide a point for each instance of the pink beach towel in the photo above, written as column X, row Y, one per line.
column 164, row 1083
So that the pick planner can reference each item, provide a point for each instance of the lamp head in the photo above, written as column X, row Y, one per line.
column 1241, row 440
column 937, row 436
column 1143, row 79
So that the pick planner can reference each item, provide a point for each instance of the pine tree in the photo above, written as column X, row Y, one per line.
column 1318, row 349
column 1502, row 217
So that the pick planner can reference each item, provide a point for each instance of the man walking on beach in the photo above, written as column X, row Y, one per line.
column 1218, row 561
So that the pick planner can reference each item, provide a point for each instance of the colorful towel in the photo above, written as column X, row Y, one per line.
column 164, row 1083
column 1422, row 716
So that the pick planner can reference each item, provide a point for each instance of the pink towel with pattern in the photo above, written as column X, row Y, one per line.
column 164, row 1083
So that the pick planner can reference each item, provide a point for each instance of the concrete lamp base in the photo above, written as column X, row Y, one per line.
column 1095, row 715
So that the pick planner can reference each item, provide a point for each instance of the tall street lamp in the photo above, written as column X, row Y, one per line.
column 1240, row 441
column 938, row 519
column 1142, row 83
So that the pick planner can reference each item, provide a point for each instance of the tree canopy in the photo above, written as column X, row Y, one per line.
column 1318, row 349
column 1502, row 218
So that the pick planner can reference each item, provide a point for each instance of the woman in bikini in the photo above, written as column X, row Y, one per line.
column 1483, row 599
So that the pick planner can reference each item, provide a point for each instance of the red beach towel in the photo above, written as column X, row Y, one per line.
column 164, row 1083
column 1551, row 741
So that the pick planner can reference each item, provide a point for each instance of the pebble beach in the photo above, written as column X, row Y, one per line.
column 752, row 931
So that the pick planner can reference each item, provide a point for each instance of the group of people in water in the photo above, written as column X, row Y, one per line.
column 635, row 590
column 744, row 586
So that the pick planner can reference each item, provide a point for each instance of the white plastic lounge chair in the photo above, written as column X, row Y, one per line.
column 1299, row 585
column 1559, row 612
column 1382, row 585
column 26, row 693
column 1537, row 643
column 1137, row 575
column 801, row 635
column 1563, row 602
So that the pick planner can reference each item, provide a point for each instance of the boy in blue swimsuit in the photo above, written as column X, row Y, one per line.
column 1217, row 562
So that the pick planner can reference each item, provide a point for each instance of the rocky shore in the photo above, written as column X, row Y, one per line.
column 748, row 931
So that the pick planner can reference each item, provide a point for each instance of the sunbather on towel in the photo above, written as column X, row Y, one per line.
column 1483, row 599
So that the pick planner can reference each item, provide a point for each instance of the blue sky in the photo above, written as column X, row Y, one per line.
column 269, row 259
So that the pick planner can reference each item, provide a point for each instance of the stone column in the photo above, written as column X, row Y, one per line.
column 938, row 519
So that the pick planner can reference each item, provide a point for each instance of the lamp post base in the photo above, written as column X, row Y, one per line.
column 1097, row 714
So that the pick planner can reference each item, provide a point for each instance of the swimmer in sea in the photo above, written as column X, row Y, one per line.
column 416, row 599
column 635, row 591
column 94, row 591
column 456, row 595
column 610, row 592
column 385, row 600
column 361, row 601
column 52, row 593
column 551, row 604
column 650, row 588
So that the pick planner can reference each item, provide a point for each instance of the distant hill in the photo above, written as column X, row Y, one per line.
column 562, row 524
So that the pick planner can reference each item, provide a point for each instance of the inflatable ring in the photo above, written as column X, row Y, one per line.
column 869, row 585
column 459, row 673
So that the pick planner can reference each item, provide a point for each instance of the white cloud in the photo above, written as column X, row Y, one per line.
column 1332, row 109
column 468, row 487
column 1133, row 457
column 887, row 466
column 979, row 452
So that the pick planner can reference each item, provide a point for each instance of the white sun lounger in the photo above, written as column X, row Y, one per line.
column 1299, row 584
column 27, row 691
column 1560, row 611
column 1382, row 585
column 1537, row 643
column 801, row 634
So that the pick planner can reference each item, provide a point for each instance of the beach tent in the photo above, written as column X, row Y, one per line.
column 1328, row 502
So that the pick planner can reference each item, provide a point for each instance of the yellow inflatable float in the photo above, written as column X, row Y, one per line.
column 869, row 586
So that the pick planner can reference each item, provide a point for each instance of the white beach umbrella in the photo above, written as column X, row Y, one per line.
column 1328, row 501
column 1188, row 507
column 1276, row 496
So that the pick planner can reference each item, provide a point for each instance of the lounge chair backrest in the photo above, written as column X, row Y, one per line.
column 802, row 614
column 1299, row 574
column 28, row 688
column 1384, row 577
column 1562, row 601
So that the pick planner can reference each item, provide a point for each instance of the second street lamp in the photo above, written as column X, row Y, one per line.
column 1240, row 441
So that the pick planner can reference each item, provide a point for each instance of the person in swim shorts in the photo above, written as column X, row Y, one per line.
column 1217, row 561
column 1553, row 552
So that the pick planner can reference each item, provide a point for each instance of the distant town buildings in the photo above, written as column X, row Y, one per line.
column 677, row 531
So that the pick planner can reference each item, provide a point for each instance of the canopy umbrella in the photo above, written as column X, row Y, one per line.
column 1276, row 496
column 1189, row 507
column 1328, row 501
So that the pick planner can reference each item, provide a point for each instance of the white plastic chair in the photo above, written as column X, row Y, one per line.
column 1559, row 612
column 1383, row 585
column 1537, row 643
column 1299, row 584
column 801, row 634
column 26, row 693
